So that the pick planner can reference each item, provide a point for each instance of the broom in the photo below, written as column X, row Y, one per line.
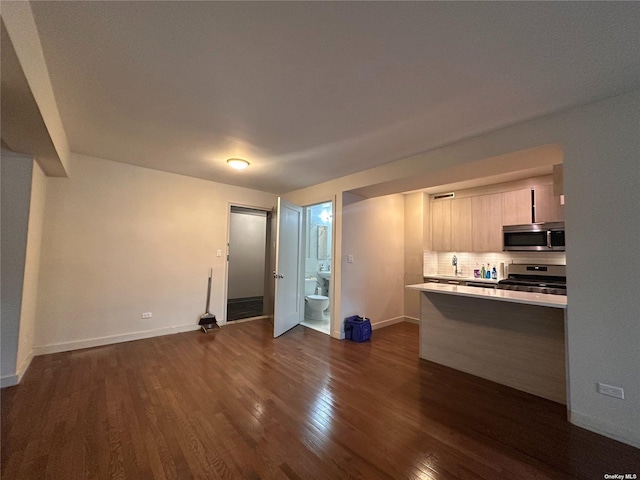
column 208, row 320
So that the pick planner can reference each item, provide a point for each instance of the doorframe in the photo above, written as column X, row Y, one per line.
column 332, row 284
column 225, row 293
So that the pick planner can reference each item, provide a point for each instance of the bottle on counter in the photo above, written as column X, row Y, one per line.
column 494, row 273
column 482, row 272
column 488, row 276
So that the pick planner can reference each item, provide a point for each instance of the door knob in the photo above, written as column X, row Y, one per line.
column 275, row 275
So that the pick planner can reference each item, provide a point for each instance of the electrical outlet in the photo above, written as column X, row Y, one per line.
column 616, row 392
column 147, row 315
column 349, row 258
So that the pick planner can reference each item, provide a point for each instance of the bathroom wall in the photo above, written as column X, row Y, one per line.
column 312, row 262
column 439, row 263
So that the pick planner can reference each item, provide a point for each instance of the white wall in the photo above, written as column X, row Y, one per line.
column 247, row 248
column 416, row 239
column 31, row 270
column 15, row 182
column 602, row 191
column 120, row 240
column 373, row 285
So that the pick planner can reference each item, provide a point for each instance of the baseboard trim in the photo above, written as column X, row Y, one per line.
column 412, row 320
column 101, row 341
column 595, row 425
column 9, row 381
column 22, row 369
column 387, row 323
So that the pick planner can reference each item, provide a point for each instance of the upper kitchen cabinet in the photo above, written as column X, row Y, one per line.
column 472, row 220
column 486, row 213
column 516, row 207
column 547, row 205
column 441, row 225
column 461, row 225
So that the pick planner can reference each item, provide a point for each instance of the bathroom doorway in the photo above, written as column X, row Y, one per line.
column 248, row 262
column 317, row 266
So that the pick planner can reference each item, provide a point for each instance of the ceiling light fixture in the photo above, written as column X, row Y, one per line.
column 238, row 163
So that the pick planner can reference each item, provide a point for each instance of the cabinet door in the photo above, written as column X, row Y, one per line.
column 548, row 208
column 461, row 225
column 487, row 223
column 516, row 207
column 441, row 225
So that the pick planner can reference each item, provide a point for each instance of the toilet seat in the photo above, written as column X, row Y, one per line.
column 317, row 297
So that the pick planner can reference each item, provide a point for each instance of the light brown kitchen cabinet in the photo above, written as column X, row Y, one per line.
column 547, row 205
column 486, row 211
column 516, row 207
column 441, row 225
column 461, row 225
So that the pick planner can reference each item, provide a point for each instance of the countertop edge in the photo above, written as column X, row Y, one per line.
column 527, row 298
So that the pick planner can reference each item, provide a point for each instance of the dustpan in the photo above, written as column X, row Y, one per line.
column 208, row 320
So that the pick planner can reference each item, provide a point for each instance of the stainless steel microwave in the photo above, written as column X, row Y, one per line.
column 540, row 237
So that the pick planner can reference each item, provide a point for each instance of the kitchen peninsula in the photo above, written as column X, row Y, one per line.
column 510, row 337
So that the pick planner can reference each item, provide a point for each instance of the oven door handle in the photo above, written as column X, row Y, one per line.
column 548, row 238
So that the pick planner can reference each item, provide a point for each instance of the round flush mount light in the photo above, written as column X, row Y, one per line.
column 238, row 163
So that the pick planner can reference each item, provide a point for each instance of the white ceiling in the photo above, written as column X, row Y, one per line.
column 310, row 91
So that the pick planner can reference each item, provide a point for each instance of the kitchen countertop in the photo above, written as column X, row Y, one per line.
column 513, row 296
column 463, row 279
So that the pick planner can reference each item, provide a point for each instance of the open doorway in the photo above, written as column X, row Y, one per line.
column 247, row 279
column 317, row 266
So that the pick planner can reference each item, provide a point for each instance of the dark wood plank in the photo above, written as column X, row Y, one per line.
column 235, row 403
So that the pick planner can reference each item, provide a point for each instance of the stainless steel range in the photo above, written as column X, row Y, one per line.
column 551, row 279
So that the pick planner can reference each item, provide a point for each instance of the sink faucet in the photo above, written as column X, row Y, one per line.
column 454, row 262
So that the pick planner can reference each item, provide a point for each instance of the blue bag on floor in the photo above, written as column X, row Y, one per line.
column 357, row 328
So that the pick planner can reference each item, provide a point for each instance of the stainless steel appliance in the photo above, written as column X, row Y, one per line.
column 551, row 279
column 547, row 237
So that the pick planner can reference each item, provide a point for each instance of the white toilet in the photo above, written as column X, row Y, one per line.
column 314, row 305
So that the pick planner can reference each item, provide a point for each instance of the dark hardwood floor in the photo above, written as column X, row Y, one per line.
column 238, row 404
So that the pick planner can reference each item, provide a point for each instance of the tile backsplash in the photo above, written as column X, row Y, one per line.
column 439, row 263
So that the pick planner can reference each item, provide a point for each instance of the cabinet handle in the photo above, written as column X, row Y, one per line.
column 453, row 282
